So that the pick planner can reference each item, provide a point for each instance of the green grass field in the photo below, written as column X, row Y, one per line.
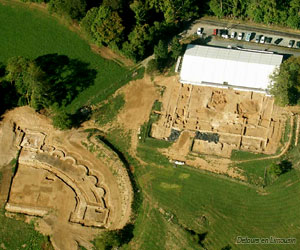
column 16, row 233
column 254, row 170
column 108, row 111
column 33, row 33
column 214, row 205
column 238, row 155
column 230, row 209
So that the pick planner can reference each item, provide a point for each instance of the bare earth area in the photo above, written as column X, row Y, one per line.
column 210, row 122
column 139, row 98
column 74, row 192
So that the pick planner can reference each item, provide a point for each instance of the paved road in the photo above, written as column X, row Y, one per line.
column 250, row 28
column 210, row 25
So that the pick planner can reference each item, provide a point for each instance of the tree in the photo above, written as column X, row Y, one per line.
column 107, row 26
column 161, row 50
column 216, row 6
column 62, row 120
column 152, row 66
column 140, row 11
column 239, row 8
column 176, row 48
column 108, row 240
column 76, row 9
column 266, row 11
column 29, row 81
column 270, row 11
column 285, row 82
column 87, row 22
column 114, row 4
column 176, row 11
column 138, row 40
column 281, row 168
column 255, row 11
column 294, row 20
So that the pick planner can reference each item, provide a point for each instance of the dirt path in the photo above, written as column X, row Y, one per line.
column 107, row 53
column 297, row 131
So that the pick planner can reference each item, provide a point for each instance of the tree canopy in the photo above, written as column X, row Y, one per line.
column 134, row 27
column 107, row 26
column 280, row 168
column 76, row 9
column 286, row 82
column 48, row 82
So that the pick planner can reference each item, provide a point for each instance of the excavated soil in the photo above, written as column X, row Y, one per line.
column 139, row 98
column 226, row 120
column 74, row 191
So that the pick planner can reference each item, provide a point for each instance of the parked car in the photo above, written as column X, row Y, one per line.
column 262, row 39
column 278, row 40
column 257, row 40
column 224, row 34
column 200, row 31
column 233, row 34
column 268, row 39
column 248, row 37
column 215, row 32
column 240, row 36
column 298, row 44
column 291, row 43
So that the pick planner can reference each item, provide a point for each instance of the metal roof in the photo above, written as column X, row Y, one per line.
column 233, row 54
column 248, row 69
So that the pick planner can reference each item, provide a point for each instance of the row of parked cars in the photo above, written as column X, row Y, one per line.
column 247, row 36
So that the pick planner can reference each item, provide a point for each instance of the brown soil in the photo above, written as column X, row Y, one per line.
column 180, row 149
column 139, row 98
column 242, row 120
column 5, row 184
column 51, row 162
column 215, row 165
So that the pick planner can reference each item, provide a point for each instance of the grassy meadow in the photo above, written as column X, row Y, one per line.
column 16, row 234
column 181, row 202
column 220, row 208
column 32, row 33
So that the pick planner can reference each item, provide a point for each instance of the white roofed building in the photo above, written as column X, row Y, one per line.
column 228, row 68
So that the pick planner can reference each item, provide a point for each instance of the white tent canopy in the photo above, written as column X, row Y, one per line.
column 222, row 67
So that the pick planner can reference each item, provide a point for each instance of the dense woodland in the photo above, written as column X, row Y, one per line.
column 133, row 27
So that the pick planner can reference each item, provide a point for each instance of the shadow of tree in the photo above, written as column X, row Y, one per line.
column 201, row 40
column 81, row 115
column 67, row 77
column 126, row 234
column 285, row 166
column 227, row 247
column 8, row 96
column 198, row 237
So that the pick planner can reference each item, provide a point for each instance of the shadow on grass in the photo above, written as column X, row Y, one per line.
column 66, row 77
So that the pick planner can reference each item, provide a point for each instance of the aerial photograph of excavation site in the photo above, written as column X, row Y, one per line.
column 149, row 124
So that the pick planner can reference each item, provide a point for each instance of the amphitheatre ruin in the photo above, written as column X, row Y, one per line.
column 214, row 121
column 70, row 180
